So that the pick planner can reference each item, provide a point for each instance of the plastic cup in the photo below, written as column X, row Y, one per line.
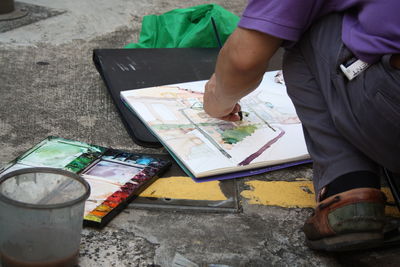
column 41, row 215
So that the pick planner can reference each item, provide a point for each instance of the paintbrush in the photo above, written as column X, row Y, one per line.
column 216, row 33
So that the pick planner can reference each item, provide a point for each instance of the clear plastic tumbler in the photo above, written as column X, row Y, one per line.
column 41, row 214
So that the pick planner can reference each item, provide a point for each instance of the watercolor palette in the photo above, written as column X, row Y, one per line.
column 115, row 177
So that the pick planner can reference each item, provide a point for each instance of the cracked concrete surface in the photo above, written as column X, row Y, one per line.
column 49, row 86
column 118, row 247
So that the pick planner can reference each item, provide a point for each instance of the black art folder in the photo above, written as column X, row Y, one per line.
column 125, row 69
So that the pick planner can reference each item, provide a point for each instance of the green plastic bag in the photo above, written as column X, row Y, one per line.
column 188, row 27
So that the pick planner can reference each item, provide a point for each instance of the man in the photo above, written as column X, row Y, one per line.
column 351, row 122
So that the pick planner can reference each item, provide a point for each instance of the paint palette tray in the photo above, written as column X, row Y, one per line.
column 115, row 177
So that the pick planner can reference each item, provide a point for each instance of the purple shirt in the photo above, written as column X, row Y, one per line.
column 371, row 28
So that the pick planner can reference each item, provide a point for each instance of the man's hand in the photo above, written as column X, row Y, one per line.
column 219, row 108
column 240, row 67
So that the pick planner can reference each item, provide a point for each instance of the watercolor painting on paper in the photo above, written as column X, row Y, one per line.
column 270, row 132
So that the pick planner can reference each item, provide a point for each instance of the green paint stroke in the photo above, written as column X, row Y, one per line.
column 237, row 134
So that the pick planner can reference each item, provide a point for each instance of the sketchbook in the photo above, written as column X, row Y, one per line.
column 115, row 177
column 270, row 133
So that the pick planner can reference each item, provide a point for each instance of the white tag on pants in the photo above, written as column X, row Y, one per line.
column 353, row 68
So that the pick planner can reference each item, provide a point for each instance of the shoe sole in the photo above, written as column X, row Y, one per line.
column 347, row 242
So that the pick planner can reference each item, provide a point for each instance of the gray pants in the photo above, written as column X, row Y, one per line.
column 348, row 125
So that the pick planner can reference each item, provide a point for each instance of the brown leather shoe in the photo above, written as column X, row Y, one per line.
column 350, row 220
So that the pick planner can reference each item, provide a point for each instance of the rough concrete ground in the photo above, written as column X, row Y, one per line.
column 49, row 86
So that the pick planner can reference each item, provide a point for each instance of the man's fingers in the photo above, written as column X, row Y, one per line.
column 231, row 117
column 236, row 108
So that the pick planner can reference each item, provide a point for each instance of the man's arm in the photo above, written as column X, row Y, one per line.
column 240, row 67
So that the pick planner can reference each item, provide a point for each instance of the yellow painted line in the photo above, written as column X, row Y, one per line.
column 298, row 194
column 181, row 187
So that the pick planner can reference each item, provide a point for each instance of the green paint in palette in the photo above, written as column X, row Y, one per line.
column 56, row 155
column 57, row 152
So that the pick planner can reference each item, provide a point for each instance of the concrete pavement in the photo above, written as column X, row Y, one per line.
column 49, row 86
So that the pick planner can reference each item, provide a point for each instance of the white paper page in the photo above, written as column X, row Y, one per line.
column 269, row 134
